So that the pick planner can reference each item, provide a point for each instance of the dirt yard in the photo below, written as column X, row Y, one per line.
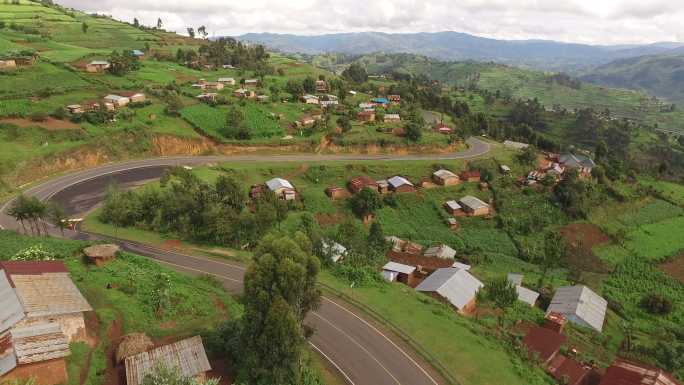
column 50, row 124
column 582, row 238
column 675, row 268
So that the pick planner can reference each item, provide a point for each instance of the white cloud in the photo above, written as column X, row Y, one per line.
column 585, row 21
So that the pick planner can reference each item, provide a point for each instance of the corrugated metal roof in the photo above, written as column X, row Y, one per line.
column 544, row 343
column 11, row 311
column 581, row 302
column 453, row 205
column 49, row 294
column 526, row 295
column 41, row 342
column 472, row 202
column 461, row 266
column 335, row 250
column 515, row 279
column 32, row 267
column 624, row 372
column 444, row 174
column 398, row 181
column 456, row 285
column 441, row 251
column 8, row 359
column 276, row 184
column 577, row 161
column 399, row 268
column 188, row 356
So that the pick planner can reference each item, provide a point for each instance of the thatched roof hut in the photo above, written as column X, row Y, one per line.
column 132, row 344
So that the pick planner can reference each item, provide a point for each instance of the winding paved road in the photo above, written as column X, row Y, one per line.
column 358, row 348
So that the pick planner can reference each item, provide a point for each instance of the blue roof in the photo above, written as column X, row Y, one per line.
column 380, row 100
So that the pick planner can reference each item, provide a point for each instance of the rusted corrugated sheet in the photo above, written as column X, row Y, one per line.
column 33, row 267
column 624, row 372
column 11, row 311
column 8, row 360
column 187, row 356
column 39, row 343
column 49, row 294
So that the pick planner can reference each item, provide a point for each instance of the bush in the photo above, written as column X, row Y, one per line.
column 38, row 116
column 34, row 253
column 656, row 304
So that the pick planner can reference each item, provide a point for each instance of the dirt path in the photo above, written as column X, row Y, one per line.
column 115, row 372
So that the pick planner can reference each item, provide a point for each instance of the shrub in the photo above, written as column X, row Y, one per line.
column 34, row 253
column 38, row 116
column 656, row 304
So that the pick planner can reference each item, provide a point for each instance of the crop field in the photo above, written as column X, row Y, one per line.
column 671, row 191
column 39, row 77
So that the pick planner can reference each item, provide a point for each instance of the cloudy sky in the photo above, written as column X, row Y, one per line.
column 585, row 21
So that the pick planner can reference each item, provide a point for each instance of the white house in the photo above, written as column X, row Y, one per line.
column 580, row 305
column 392, row 270
column 456, row 286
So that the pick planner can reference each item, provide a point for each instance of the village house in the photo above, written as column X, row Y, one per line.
column 504, row 169
column 470, row 176
column 75, row 109
column 335, row 193
column 583, row 164
column 8, row 64
column 91, row 105
column 440, row 251
column 443, row 128
column 399, row 184
column 383, row 102
column 394, row 99
column 398, row 272
column 624, row 372
column 580, row 305
column 456, row 286
column 361, row 182
column 97, row 66
column 567, row 371
column 473, row 206
column 134, row 97
column 227, row 81
column 404, row 246
column 208, row 97
column 367, row 106
column 392, row 118
column 524, row 294
column 335, row 251
column 117, row 101
column 453, row 208
column 187, row 356
column 282, row 188
column 310, row 99
column 321, row 86
column 214, row 86
column 445, row 178
column 244, row 93
column 138, row 53
column 328, row 100
column 453, row 223
column 366, row 116
column 251, row 83
column 383, row 186
column 228, row 67
column 305, row 120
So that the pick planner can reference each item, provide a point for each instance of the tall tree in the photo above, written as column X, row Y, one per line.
column 554, row 252
column 136, row 23
column 159, row 23
column 366, row 202
column 58, row 217
column 84, row 27
column 280, row 290
column 191, row 32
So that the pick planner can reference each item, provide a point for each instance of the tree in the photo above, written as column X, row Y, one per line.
column 344, row 123
column 136, row 23
column 19, row 211
column 554, row 252
column 191, row 32
column 355, row 73
column 235, row 127
column 572, row 194
column 656, row 304
column 294, row 88
column 121, row 64
column 376, row 237
column 366, row 202
column 58, row 217
column 280, row 290
column 414, row 131
column 502, row 293
column 159, row 23
column 528, row 156
column 601, row 151
column 202, row 31
column 173, row 105
column 309, row 84
column 84, row 27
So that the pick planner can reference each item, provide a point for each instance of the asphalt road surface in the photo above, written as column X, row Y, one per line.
column 356, row 346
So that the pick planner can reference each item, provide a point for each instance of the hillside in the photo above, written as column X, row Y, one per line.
column 546, row 55
column 660, row 75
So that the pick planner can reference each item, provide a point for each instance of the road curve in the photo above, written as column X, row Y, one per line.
column 362, row 352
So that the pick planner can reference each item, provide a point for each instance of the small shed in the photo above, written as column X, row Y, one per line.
column 100, row 255
column 405, row 246
column 440, row 251
column 310, row 99
column 392, row 118
column 453, row 223
column 187, row 356
column 462, row 266
column 359, row 183
column 335, row 192
column 366, row 116
column 8, row 64
column 134, row 96
column 393, row 271
column 445, row 178
column 505, row 169
column 227, row 81
column 526, row 295
column 117, row 101
column 399, row 184
column 282, row 188
column 75, row 109
column 383, row 186
column 453, row 207
column 470, row 176
column 213, row 86
column 515, row 279
column 251, row 83
column 456, row 286
column 97, row 66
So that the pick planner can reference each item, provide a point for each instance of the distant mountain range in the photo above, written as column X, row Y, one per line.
column 455, row 46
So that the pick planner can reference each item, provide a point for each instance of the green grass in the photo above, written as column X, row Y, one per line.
column 458, row 343
column 40, row 76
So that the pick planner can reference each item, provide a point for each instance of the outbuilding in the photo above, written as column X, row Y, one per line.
column 445, row 178
column 399, row 184
column 361, row 182
column 187, row 357
column 282, row 188
column 117, row 101
column 440, row 251
column 473, row 206
column 398, row 272
column 579, row 305
column 456, row 286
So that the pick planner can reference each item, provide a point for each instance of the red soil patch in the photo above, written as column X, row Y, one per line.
column 326, row 220
column 45, row 373
column 221, row 369
column 581, row 239
column 50, row 124
column 172, row 244
column 675, row 268
column 116, row 374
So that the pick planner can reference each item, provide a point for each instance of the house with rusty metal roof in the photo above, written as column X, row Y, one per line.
column 579, row 305
column 624, row 372
column 543, row 344
column 187, row 356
